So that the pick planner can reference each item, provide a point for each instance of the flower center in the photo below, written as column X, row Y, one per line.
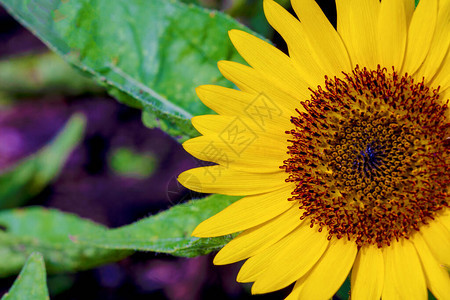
column 369, row 156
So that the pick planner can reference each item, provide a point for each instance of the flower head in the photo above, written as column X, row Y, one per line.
column 341, row 149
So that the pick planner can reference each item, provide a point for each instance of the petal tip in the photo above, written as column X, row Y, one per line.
column 190, row 181
column 219, row 261
column 269, row 5
column 198, row 232
column 236, row 35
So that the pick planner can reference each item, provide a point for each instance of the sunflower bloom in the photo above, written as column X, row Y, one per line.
column 341, row 150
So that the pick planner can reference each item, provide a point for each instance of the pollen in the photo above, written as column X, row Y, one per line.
column 369, row 156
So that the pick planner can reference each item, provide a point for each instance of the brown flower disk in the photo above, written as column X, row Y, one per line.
column 369, row 156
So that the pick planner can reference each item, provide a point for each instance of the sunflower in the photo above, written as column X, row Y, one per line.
column 341, row 149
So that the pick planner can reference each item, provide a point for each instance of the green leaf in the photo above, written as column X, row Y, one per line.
column 31, row 284
column 152, row 121
column 27, row 178
column 417, row 2
column 190, row 1
column 50, row 232
column 152, row 56
column 167, row 232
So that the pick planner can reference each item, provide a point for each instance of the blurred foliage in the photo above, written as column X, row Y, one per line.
column 151, row 57
column 42, row 74
column 128, row 163
column 190, row 1
column 27, row 178
column 51, row 233
column 167, row 232
column 152, row 121
column 59, row 283
column 31, row 284
column 145, row 68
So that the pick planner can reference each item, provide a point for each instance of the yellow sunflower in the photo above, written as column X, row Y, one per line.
column 341, row 150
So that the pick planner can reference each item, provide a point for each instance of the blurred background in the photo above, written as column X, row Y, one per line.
column 121, row 172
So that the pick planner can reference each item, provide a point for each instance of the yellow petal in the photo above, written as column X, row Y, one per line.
column 329, row 50
column 357, row 24
column 437, row 238
column 246, row 213
column 392, row 33
column 403, row 274
column 249, row 80
column 256, row 265
column 445, row 97
column 368, row 274
column 222, row 180
column 437, row 277
column 257, row 239
column 239, row 132
column 444, row 218
column 332, row 268
column 259, row 108
column 410, row 6
column 228, row 140
column 269, row 61
column 295, row 293
column 265, row 156
column 292, row 257
column 420, row 34
column 442, row 77
column 240, row 143
column 439, row 45
column 294, row 35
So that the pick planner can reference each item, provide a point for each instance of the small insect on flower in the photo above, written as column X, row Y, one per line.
column 343, row 152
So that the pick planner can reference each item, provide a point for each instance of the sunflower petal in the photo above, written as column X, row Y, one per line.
column 420, row 35
column 437, row 277
column 294, row 35
column 357, row 23
column 403, row 274
column 238, row 132
column 333, row 59
column 410, row 6
column 249, row 80
column 368, row 274
column 269, row 61
column 223, row 180
column 295, row 255
column 332, row 268
column 442, row 78
column 246, row 213
column 231, row 102
column 444, row 219
column 256, row 265
column 257, row 239
column 295, row 293
column 437, row 238
column 439, row 47
column 254, row 159
column 392, row 33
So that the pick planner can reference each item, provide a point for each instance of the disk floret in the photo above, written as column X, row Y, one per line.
column 369, row 156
